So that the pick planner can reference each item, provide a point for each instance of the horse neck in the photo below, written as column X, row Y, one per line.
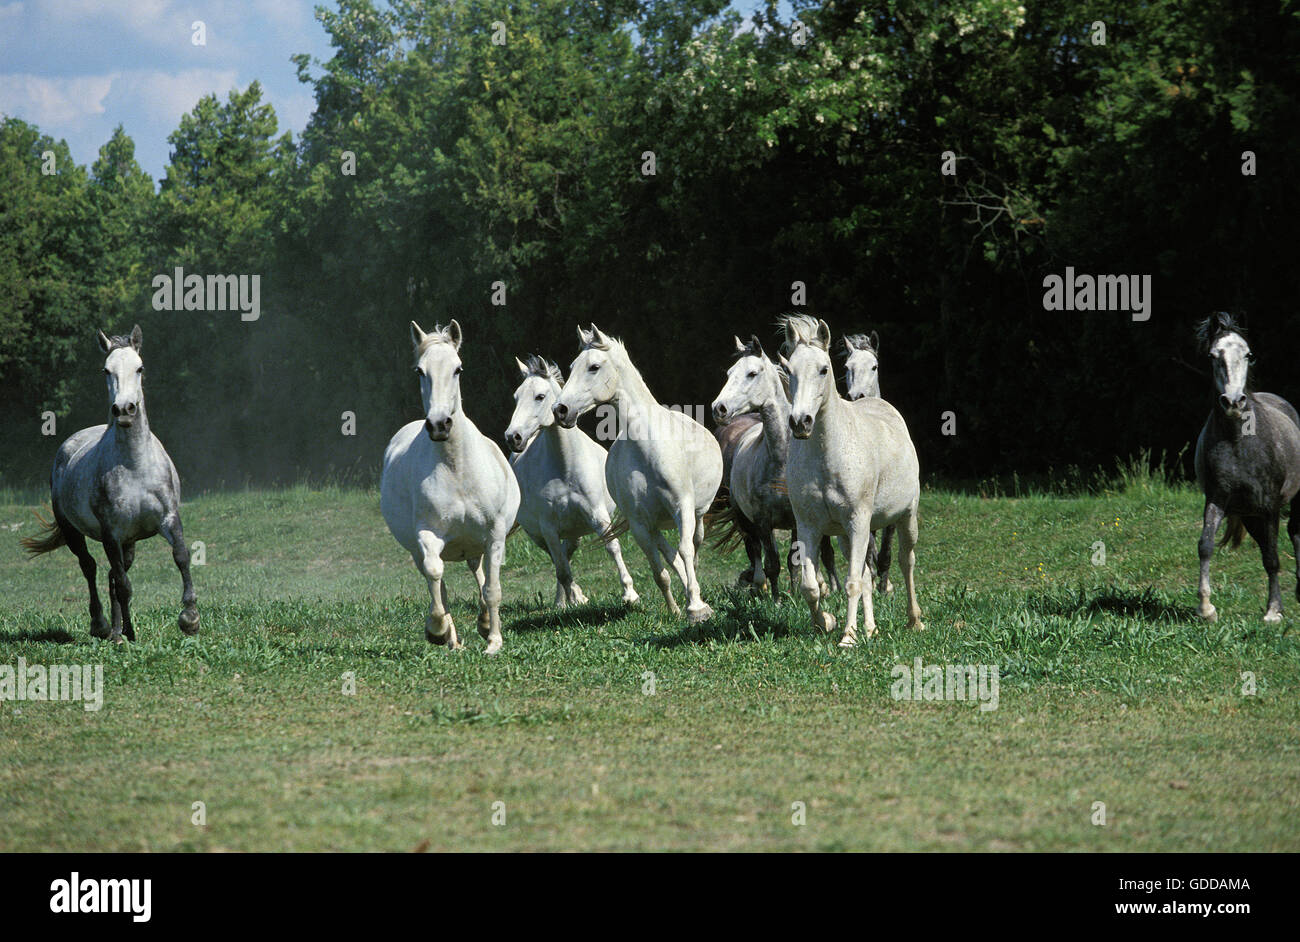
column 633, row 394
column 133, row 443
column 832, row 418
column 1228, row 428
column 775, row 413
column 559, row 440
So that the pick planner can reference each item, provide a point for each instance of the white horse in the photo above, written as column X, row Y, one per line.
column 663, row 469
column 757, row 486
column 115, row 483
column 852, row 469
column 561, row 472
column 447, row 491
column 862, row 377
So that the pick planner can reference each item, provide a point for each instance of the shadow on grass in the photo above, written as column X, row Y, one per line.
column 738, row 617
column 1115, row 601
column 587, row 615
column 45, row 635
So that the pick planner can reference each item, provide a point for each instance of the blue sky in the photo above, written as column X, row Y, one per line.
column 78, row 68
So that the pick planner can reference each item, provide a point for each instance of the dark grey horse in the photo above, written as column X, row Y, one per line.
column 116, row 484
column 1247, row 462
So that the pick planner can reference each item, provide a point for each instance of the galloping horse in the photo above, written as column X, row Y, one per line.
column 115, row 483
column 852, row 469
column 561, row 473
column 862, row 377
column 663, row 469
column 1247, row 462
column 447, row 492
column 757, row 485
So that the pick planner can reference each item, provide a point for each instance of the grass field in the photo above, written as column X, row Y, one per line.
column 1111, row 690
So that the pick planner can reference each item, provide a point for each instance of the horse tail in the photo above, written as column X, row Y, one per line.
column 1235, row 532
column 725, row 523
column 617, row 527
column 511, row 531
column 50, row 538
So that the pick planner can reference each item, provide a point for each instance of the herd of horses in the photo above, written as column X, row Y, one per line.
column 789, row 453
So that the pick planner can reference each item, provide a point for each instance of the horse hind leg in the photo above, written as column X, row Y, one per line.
column 1213, row 517
column 119, row 586
column 438, row 626
column 174, row 534
column 883, row 559
column 76, row 541
column 772, row 564
column 560, row 560
column 658, row 568
column 1293, row 531
column 909, row 532
column 599, row 526
column 1264, row 532
column 811, row 586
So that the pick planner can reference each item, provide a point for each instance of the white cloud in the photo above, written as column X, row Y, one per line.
column 164, row 97
column 53, row 102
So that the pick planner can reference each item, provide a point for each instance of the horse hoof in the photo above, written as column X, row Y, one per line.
column 848, row 641
column 886, row 586
column 494, row 647
column 448, row 633
column 1272, row 618
column 578, row 597
column 916, row 624
column 630, row 597
column 828, row 622
column 697, row 615
column 189, row 622
column 99, row 629
column 1209, row 613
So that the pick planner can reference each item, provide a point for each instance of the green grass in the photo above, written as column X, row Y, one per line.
column 1111, row 691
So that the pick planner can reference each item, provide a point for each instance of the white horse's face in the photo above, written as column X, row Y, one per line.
column 439, row 369
column 593, row 381
column 534, row 400
column 124, row 373
column 862, row 374
column 1232, row 358
column 812, row 383
column 749, row 387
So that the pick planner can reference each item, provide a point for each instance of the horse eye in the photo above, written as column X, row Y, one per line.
column 416, row 370
column 140, row 370
column 458, row 371
column 593, row 368
column 753, row 374
column 540, row 397
column 824, row 369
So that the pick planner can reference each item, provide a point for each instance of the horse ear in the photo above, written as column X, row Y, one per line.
column 848, row 345
column 103, row 341
column 137, row 337
column 523, row 368
column 417, row 335
column 600, row 335
column 785, row 364
column 740, row 347
column 757, row 344
column 875, row 342
column 453, row 331
column 823, row 335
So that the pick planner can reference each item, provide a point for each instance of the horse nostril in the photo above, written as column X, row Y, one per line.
column 561, row 409
column 116, row 411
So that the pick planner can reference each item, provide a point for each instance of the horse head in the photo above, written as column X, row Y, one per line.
column 124, row 371
column 437, row 362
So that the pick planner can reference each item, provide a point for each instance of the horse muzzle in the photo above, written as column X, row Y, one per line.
column 564, row 415
column 801, row 426
column 515, row 442
column 1235, row 406
column 721, row 414
column 125, row 415
column 439, row 430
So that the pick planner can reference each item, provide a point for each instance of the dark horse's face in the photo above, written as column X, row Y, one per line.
column 1231, row 357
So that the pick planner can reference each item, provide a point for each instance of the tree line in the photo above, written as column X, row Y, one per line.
column 678, row 173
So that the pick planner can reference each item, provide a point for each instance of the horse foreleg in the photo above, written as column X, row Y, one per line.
column 690, row 529
column 174, row 534
column 806, row 546
column 491, row 593
column 555, row 549
column 859, row 572
column 908, row 534
column 658, row 568
column 575, row 591
column 119, row 587
column 1264, row 531
column 475, row 566
column 1293, row 531
column 772, row 564
column 1205, row 549
column 438, row 627
column 76, row 541
column 599, row 525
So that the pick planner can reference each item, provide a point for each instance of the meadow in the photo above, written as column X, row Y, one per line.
column 606, row 728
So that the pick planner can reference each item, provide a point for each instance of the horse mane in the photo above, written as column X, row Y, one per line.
column 800, row 328
column 1214, row 327
column 439, row 334
column 539, row 366
column 860, row 342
